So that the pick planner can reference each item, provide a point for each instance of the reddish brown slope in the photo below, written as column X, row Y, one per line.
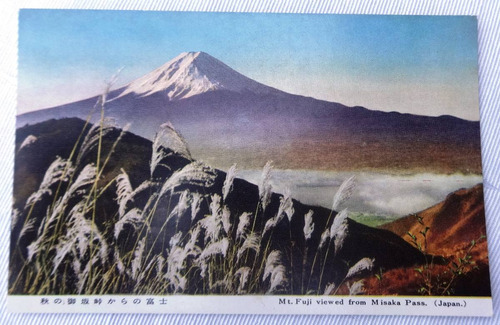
column 452, row 223
column 453, row 226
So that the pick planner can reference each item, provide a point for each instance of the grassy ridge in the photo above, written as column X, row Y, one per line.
column 109, row 212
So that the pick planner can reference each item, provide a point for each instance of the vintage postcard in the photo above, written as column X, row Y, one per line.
column 183, row 162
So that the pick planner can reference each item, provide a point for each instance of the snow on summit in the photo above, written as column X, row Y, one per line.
column 190, row 74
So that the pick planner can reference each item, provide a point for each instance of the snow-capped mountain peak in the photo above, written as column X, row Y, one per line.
column 190, row 74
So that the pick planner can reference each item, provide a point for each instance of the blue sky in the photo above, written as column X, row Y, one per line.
column 416, row 64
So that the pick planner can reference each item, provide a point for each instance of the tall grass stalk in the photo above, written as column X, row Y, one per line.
column 342, row 195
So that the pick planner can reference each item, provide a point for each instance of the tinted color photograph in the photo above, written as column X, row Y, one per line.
column 162, row 153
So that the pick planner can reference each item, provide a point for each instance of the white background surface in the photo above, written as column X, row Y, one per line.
column 488, row 13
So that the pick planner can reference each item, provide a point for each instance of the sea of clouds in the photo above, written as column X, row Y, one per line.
column 376, row 193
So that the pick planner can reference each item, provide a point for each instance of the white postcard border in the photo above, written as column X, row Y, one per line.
column 202, row 304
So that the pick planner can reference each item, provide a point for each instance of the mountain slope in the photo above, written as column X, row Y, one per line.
column 164, row 220
column 453, row 223
column 227, row 118
column 456, row 230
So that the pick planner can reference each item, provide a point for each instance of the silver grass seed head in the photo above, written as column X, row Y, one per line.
column 271, row 223
column 340, row 237
column 29, row 140
column 182, row 204
column 214, row 248
column 329, row 289
column 344, row 193
column 96, row 132
column 278, row 278
column 77, row 266
column 215, row 207
column 59, row 171
column 137, row 260
column 160, row 262
column 265, row 188
column 252, row 242
column 175, row 259
column 272, row 260
column 196, row 200
column 157, row 156
column 286, row 205
column 213, row 223
column 175, row 239
column 226, row 219
column 14, row 218
column 168, row 139
column 144, row 186
column 78, row 231
column 228, row 182
column 193, row 238
column 339, row 229
column 242, row 274
column 243, row 223
column 132, row 217
column 87, row 176
column 119, row 263
column 364, row 264
column 165, row 139
column 33, row 250
column 42, row 228
column 356, row 288
column 123, row 191
column 195, row 173
column 28, row 226
column 172, row 139
column 308, row 224
column 76, row 241
column 213, row 228
column 325, row 236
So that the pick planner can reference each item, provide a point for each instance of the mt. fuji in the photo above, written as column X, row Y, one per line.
column 227, row 118
column 190, row 74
